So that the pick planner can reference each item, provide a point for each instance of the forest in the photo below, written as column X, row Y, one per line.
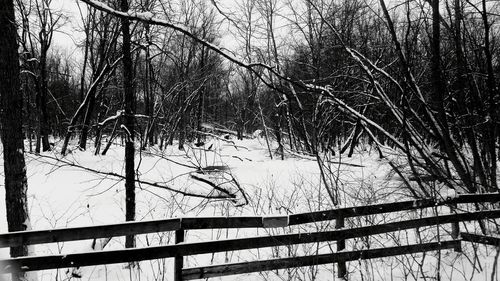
column 153, row 95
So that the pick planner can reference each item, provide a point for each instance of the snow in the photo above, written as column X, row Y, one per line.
column 119, row 113
column 145, row 15
column 448, row 193
column 257, row 133
column 123, row 127
column 62, row 195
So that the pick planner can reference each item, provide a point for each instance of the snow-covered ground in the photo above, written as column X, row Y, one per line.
column 64, row 193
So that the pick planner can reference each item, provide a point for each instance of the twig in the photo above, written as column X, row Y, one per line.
column 155, row 184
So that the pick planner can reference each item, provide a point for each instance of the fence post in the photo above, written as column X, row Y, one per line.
column 455, row 227
column 178, row 260
column 341, row 267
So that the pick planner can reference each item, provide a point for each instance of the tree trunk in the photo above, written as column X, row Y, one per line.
column 111, row 138
column 86, row 121
column 129, row 98
column 16, row 183
column 183, row 119
column 44, row 117
column 104, row 105
column 201, row 101
column 355, row 137
column 149, row 101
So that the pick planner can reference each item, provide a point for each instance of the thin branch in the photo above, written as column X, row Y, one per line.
column 120, row 177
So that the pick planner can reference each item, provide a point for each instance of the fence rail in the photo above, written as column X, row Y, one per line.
column 180, row 225
column 482, row 239
column 132, row 228
column 248, row 267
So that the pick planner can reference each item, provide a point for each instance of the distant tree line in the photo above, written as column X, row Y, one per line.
column 423, row 71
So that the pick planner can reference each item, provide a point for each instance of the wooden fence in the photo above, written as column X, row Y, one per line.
column 182, row 249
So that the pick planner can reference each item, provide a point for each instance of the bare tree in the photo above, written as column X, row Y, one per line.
column 103, row 35
column 37, row 46
column 130, row 103
column 385, row 98
column 11, row 102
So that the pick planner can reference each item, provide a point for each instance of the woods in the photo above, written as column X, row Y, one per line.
column 16, row 182
column 312, row 78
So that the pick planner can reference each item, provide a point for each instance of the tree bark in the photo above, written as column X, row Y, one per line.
column 44, row 115
column 86, row 121
column 129, row 98
column 11, row 101
column 201, row 100
column 45, row 37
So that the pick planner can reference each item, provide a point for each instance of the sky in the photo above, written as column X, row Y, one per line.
column 68, row 36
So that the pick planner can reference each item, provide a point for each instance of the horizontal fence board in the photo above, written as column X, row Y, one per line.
column 90, row 232
column 85, row 259
column 185, row 249
column 476, row 198
column 324, row 236
column 483, row 239
column 360, row 211
column 222, row 222
column 132, row 228
column 389, row 207
column 248, row 267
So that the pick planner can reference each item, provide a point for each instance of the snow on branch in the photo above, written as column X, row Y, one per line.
column 28, row 72
column 118, row 114
column 148, row 17
column 142, row 116
column 345, row 107
column 127, row 131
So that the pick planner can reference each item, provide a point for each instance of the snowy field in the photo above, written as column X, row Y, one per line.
column 82, row 190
